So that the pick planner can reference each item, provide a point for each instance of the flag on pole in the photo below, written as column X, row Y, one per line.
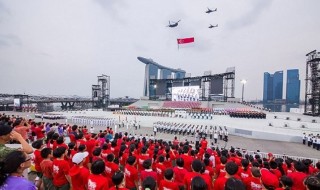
column 184, row 42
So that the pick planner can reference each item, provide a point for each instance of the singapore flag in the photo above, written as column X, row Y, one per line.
column 185, row 42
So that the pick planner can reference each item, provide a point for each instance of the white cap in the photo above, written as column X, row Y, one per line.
column 78, row 157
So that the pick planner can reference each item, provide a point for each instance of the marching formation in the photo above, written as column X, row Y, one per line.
column 93, row 121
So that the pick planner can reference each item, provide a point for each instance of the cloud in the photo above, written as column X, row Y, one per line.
column 9, row 40
column 251, row 16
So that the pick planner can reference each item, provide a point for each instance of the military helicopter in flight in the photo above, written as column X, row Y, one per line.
column 173, row 24
column 210, row 10
column 212, row 26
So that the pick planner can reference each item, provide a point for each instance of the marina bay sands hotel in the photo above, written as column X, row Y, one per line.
column 162, row 83
column 152, row 72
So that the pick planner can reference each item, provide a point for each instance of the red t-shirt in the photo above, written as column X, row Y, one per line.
column 47, row 168
column 79, row 177
column 37, row 160
column 297, row 178
column 111, row 168
column 253, row 183
column 208, row 179
column 209, row 170
column 160, row 168
column 141, row 159
column 90, row 146
column 39, row 132
column 220, row 170
column 179, row 174
column 97, row 182
column 131, row 175
column 188, row 178
column 168, row 185
column 244, row 174
column 204, row 144
column 220, row 183
column 145, row 173
column 187, row 162
column 60, row 170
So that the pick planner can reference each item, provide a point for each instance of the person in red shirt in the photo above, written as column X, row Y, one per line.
column 253, row 182
column 60, row 142
column 111, row 167
column 245, row 170
column 208, row 169
column 196, row 168
column 231, row 171
column 234, row 183
column 79, row 174
column 204, row 143
column 286, row 183
column 160, row 168
column 207, row 178
column 179, row 172
column 90, row 144
column 61, row 178
column 47, row 168
column 96, row 154
column 131, row 173
column 168, row 183
column 298, row 176
column 39, row 131
column 220, row 168
column 37, row 145
column 142, row 157
column 186, row 158
column 96, row 180
column 118, row 181
column 147, row 171
column 198, row 183
column 175, row 142
column 268, row 179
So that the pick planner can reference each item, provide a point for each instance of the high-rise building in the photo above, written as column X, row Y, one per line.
column 267, row 87
column 272, row 86
column 293, row 86
column 278, row 85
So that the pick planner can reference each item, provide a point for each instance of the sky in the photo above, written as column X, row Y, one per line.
column 60, row 47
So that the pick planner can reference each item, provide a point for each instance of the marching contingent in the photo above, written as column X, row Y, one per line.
column 93, row 121
column 198, row 131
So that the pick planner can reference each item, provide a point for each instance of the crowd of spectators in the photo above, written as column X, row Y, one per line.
column 117, row 161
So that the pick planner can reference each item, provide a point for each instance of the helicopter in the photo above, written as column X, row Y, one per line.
column 211, row 26
column 210, row 10
column 173, row 24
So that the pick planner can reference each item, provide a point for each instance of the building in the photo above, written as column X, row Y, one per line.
column 151, row 72
column 293, row 86
column 272, row 86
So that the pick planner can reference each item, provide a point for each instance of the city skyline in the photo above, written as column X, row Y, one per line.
column 60, row 47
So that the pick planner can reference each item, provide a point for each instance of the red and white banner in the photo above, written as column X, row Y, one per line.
column 185, row 42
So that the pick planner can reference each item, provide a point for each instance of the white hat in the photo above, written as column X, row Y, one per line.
column 78, row 157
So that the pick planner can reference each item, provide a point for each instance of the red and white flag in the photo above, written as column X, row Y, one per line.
column 185, row 42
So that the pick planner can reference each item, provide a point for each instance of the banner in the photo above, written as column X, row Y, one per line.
column 185, row 42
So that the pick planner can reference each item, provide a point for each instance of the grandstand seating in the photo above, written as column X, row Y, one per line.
column 181, row 104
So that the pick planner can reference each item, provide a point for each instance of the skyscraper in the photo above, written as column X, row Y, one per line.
column 293, row 86
column 272, row 86
column 278, row 85
column 267, row 87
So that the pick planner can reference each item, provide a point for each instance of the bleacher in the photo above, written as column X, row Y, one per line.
column 181, row 104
